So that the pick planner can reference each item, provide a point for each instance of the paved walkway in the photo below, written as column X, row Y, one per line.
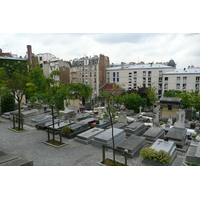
column 30, row 143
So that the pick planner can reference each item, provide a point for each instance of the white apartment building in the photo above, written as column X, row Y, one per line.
column 182, row 79
column 132, row 76
column 44, row 58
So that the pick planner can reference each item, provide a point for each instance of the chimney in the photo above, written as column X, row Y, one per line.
column 122, row 65
column 29, row 51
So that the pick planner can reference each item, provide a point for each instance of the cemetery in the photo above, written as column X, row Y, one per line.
column 177, row 139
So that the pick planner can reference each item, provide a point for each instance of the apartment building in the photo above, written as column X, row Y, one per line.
column 44, row 58
column 182, row 79
column 133, row 75
column 90, row 70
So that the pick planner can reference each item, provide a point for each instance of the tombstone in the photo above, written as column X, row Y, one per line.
column 104, row 123
column 167, row 146
column 25, row 114
column 140, row 108
column 153, row 133
column 193, row 153
column 106, row 138
column 132, row 145
column 87, row 136
column 122, row 118
column 136, row 128
column 119, row 125
column 39, row 119
column 169, row 121
column 130, row 112
column 181, row 119
column 177, row 135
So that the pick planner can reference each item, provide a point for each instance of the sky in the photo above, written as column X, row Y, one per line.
column 128, row 31
column 183, row 48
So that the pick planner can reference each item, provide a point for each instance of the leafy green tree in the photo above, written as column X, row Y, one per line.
column 15, row 83
column 133, row 101
column 152, row 94
column 173, row 93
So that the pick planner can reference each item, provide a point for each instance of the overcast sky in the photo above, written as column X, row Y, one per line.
column 126, row 47
column 128, row 31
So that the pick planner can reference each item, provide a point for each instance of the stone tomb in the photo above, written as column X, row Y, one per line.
column 27, row 115
column 178, row 136
column 136, row 128
column 193, row 153
column 106, row 137
column 103, row 123
column 87, row 136
column 119, row 125
column 132, row 145
column 39, row 119
column 153, row 133
column 167, row 146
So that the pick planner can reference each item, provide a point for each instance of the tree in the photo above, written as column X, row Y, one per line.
column 46, row 90
column 152, row 94
column 109, row 100
column 133, row 101
column 7, row 103
column 15, row 83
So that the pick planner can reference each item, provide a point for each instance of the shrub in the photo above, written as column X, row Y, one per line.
column 159, row 156
column 161, row 123
column 66, row 130
column 7, row 103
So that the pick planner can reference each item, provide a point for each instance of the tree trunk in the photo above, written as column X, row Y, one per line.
column 19, row 115
column 113, row 141
column 52, row 113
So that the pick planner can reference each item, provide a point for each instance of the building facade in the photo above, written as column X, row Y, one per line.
column 44, row 58
column 90, row 70
column 186, row 79
column 132, row 75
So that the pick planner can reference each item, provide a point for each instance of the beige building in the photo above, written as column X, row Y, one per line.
column 132, row 75
column 90, row 70
column 182, row 79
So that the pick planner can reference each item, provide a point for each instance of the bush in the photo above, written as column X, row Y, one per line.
column 66, row 130
column 7, row 103
column 161, row 123
column 159, row 156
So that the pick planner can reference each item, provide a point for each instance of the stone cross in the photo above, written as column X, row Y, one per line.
column 140, row 109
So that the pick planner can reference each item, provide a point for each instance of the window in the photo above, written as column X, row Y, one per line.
column 135, row 73
column 197, row 79
column 166, row 78
column 63, row 68
column 149, row 80
column 160, row 73
column 160, row 79
column 108, row 74
column 197, row 86
column 144, row 79
column 149, row 73
column 144, row 73
column 113, row 74
column 166, row 86
column 130, row 74
column 184, row 79
column 40, row 58
column 184, row 86
column 177, row 86
column 117, row 74
column 41, row 65
column 117, row 79
column 113, row 80
column 169, row 107
column 178, row 79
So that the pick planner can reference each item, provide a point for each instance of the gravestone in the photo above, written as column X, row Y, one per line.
column 193, row 153
column 39, row 119
column 104, row 123
column 167, row 146
column 132, row 145
column 140, row 108
column 122, row 118
column 153, row 133
column 119, row 125
column 156, row 119
column 87, row 136
column 178, row 133
column 169, row 121
column 181, row 119
column 136, row 128
column 106, row 137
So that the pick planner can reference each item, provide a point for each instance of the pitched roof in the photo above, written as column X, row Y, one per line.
column 111, row 86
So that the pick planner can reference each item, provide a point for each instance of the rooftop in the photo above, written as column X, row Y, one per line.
column 192, row 70
column 138, row 66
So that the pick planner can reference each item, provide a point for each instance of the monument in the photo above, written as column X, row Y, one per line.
column 106, row 137
column 136, row 128
column 193, row 153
